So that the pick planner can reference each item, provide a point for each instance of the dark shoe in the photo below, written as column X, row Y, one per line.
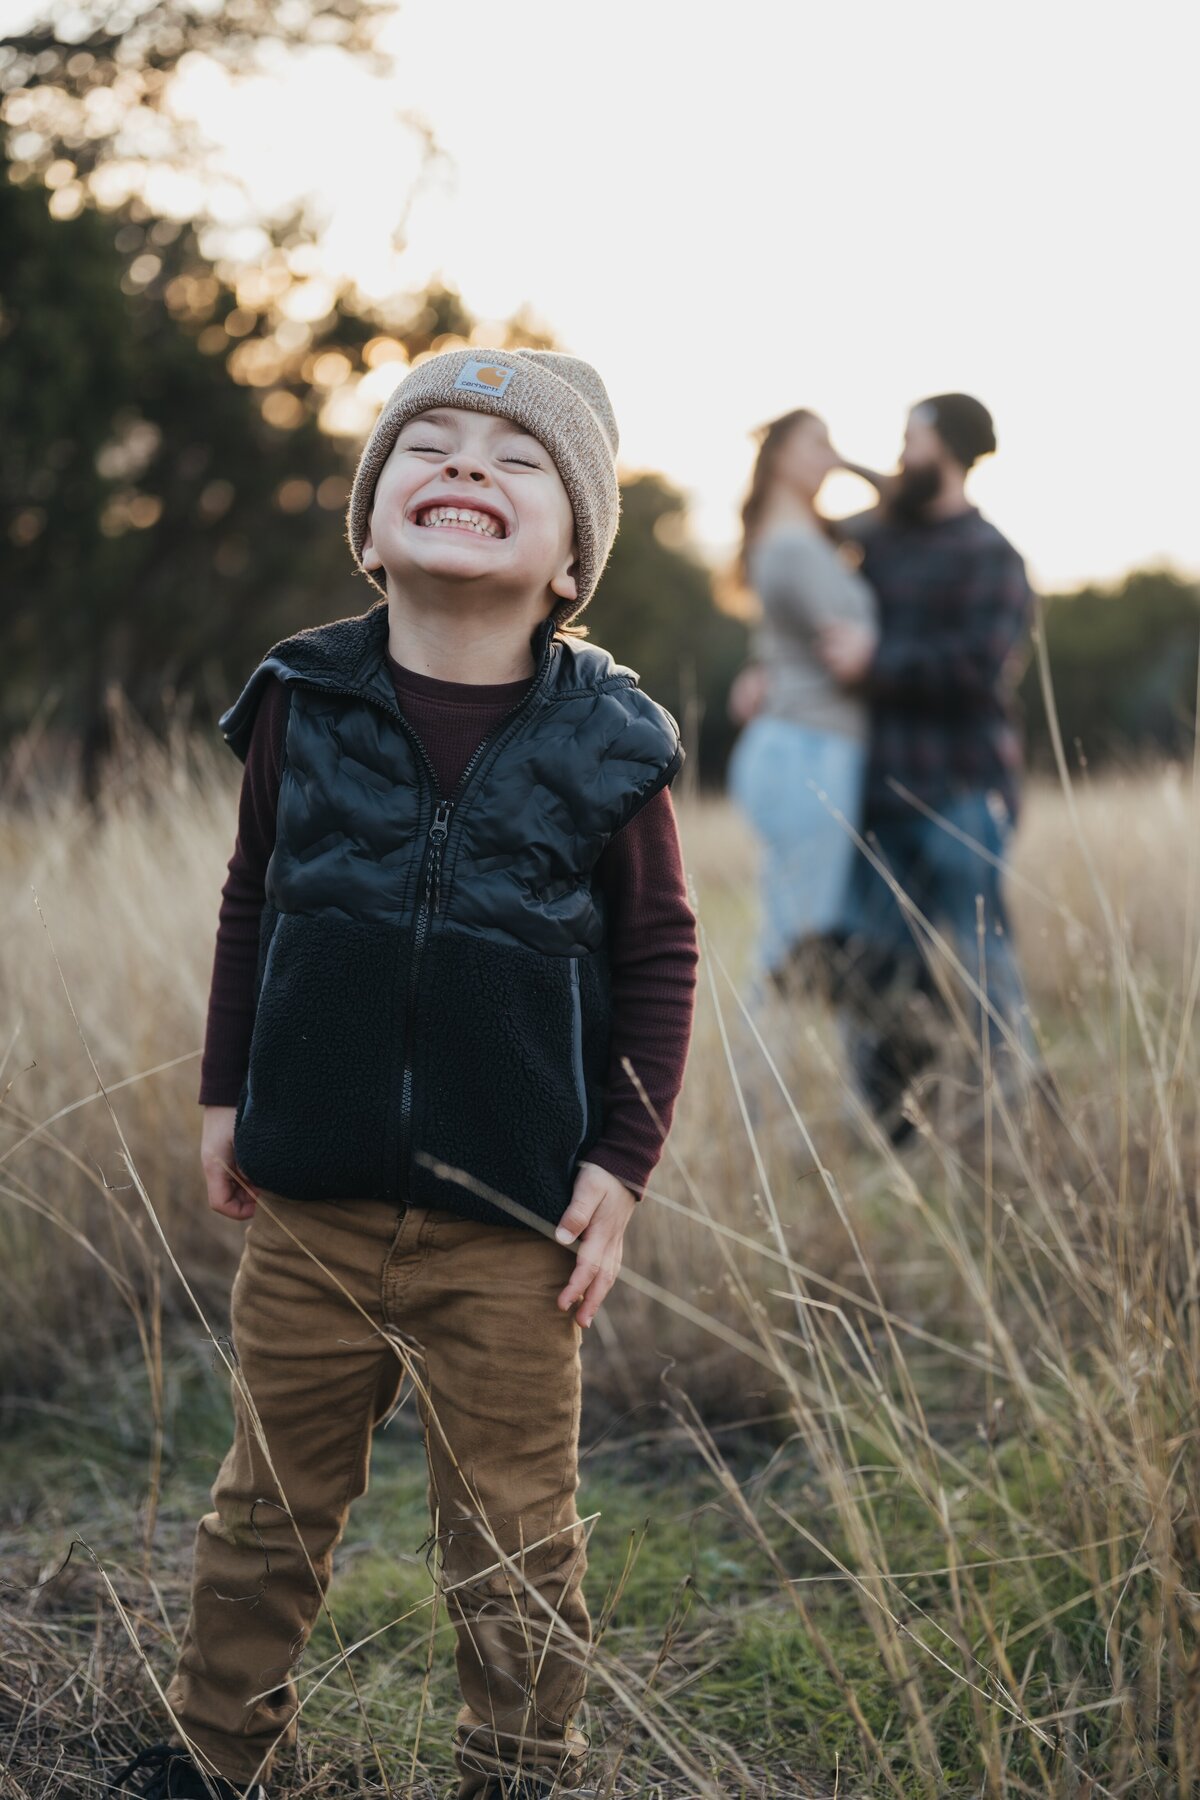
column 170, row 1774
column 809, row 967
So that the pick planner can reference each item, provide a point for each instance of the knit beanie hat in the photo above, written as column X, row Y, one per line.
column 559, row 398
column 963, row 424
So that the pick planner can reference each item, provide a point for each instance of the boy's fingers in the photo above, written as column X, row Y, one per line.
column 596, row 1295
column 593, row 1278
column 582, row 1275
column 231, row 1197
column 234, row 1207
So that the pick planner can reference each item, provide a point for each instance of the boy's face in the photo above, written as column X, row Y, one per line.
column 524, row 537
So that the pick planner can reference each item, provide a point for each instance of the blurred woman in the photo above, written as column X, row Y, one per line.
column 800, row 757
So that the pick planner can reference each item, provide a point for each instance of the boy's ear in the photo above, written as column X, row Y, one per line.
column 369, row 551
column 564, row 584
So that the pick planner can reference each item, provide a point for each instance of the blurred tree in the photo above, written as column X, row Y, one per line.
column 654, row 610
column 84, row 83
column 1123, row 662
column 164, row 478
column 168, row 497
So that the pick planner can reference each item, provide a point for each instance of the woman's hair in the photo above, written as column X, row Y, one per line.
column 733, row 587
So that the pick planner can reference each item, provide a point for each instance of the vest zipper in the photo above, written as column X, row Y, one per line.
column 435, row 839
column 439, row 831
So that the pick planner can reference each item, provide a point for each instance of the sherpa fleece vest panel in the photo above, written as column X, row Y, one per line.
column 433, row 991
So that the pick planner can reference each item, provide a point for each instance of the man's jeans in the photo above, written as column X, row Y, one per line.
column 883, row 969
column 497, row 1371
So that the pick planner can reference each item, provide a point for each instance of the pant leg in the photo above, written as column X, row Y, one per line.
column 502, row 1367
column 945, row 875
column 883, row 994
column 320, row 1378
column 758, row 781
column 778, row 772
column 961, row 875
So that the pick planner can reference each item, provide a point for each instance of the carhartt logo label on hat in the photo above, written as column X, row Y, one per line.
column 484, row 378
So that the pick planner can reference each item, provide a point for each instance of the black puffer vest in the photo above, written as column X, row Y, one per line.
column 433, row 972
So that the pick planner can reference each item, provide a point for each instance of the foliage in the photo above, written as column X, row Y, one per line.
column 76, row 75
column 1124, row 660
column 654, row 610
column 149, row 500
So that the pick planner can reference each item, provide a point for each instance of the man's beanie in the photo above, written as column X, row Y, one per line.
column 560, row 399
column 963, row 424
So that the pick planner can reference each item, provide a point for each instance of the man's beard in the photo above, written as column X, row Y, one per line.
column 916, row 488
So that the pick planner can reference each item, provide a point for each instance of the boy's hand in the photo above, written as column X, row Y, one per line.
column 601, row 1207
column 216, row 1149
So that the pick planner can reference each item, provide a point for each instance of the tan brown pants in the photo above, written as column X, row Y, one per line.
column 495, row 1364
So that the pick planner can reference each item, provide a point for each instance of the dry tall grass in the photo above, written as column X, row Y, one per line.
column 972, row 1367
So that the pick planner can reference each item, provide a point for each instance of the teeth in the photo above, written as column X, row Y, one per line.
column 459, row 515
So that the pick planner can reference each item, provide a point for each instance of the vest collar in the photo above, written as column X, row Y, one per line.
column 347, row 656
column 375, row 677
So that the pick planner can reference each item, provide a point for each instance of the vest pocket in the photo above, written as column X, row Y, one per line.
column 316, row 1117
column 504, row 1076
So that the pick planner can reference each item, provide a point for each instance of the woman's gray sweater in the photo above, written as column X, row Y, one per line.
column 804, row 585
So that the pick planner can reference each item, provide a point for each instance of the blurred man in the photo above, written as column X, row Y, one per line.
column 955, row 608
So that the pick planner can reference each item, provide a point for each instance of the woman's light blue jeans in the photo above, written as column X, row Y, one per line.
column 789, row 780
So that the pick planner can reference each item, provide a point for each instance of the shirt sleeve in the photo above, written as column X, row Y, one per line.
column 654, row 955
column 971, row 649
column 803, row 582
column 235, row 959
column 857, row 527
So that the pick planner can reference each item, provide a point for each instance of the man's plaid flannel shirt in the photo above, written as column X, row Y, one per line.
column 955, row 608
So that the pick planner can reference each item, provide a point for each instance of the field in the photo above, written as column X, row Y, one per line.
column 892, row 1461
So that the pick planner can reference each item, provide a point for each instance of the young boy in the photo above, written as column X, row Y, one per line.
column 456, row 901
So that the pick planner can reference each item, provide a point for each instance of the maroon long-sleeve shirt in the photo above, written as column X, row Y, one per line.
column 652, row 928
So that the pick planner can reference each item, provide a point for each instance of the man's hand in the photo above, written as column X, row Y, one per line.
column 846, row 651
column 601, row 1207
column 225, row 1194
column 883, row 484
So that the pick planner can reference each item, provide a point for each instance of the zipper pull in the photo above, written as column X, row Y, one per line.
column 437, row 837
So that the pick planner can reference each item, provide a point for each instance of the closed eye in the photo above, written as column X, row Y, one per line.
column 438, row 452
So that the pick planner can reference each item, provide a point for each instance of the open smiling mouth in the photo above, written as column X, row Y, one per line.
column 460, row 518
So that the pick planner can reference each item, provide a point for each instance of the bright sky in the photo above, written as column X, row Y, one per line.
column 733, row 210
